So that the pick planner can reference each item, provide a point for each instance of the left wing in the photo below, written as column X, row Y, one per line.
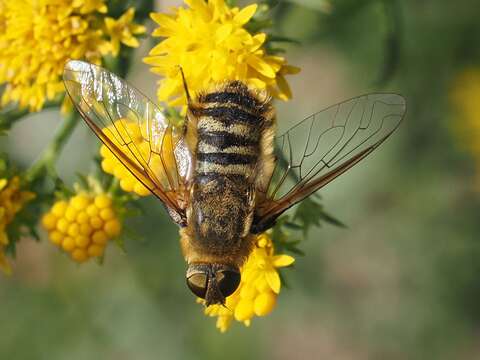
column 135, row 130
column 324, row 146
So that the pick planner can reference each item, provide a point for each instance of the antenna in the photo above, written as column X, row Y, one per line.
column 189, row 99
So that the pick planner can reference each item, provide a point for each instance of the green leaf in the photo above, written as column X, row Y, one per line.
column 101, row 259
column 292, row 225
column 120, row 242
column 270, row 3
column 174, row 117
column 130, row 234
column 3, row 164
column 332, row 220
column 285, row 39
column 283, row 280
column 275, row 51
column 62, row 191
column 311, row 213
column 255, row 26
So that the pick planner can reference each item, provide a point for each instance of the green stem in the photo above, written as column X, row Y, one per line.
column 393, row 22
column 144, row 8
column 47, row 159
column 10, row 117
column 114, row 185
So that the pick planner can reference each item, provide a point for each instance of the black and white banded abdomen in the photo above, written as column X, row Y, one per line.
column 230, row 122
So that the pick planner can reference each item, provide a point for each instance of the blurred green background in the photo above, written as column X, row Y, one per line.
column 401, row 282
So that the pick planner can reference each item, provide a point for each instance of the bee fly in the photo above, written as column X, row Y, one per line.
column 231, row 177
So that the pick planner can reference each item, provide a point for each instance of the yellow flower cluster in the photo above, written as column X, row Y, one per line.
column 123, row 31
column 465, row 96
column 12, row 200
column 113, row 166
column 83, row 225
column 209, row 41
column 38, row 37
column 259, row 287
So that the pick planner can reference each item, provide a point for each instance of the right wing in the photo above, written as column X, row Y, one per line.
column 135, row 131
column 323, row 146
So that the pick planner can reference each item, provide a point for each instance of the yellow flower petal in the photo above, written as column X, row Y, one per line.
column 244, row 310
column 273, row 280
column 245, row 14
column 285, row 92
column 3, row 183
column 130, row 41
column 223, row 32
column 138, row 29
column 265, row 303
column 283, row 260
column 248, row 292
column 223, row 323
column 110, row 23
column 289, row 69
column 163, row 20
column 257, row 83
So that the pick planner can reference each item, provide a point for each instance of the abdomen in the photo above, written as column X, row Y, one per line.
column 230, row 124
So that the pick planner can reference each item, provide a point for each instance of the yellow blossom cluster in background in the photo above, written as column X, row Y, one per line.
column 209, row 41
column 38, row 37
column 12, row 200
column 123, row 31
column 465, row 96
column 83, row 225
column 259, row 286
column 130, row 130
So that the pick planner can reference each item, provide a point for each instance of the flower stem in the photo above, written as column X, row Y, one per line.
column 7, row 119
column 47, row 159
column 114, row 185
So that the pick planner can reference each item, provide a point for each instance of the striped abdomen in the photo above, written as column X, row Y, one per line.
column 230, row 123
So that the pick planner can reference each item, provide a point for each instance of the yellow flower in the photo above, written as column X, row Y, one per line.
column 38, row 37
column 122, row 31
column 113, row 166
column 82, row 225
column 209, row 41
column 465, row 96
column 12, row 200
column 259, row 287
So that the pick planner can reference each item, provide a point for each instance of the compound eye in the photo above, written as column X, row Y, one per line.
column 197, row 283
column 228, row 281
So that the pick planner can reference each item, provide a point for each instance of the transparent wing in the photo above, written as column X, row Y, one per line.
column 324, row 146
column 134, row 130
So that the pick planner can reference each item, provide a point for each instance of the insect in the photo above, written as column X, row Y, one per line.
column 223, row 176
